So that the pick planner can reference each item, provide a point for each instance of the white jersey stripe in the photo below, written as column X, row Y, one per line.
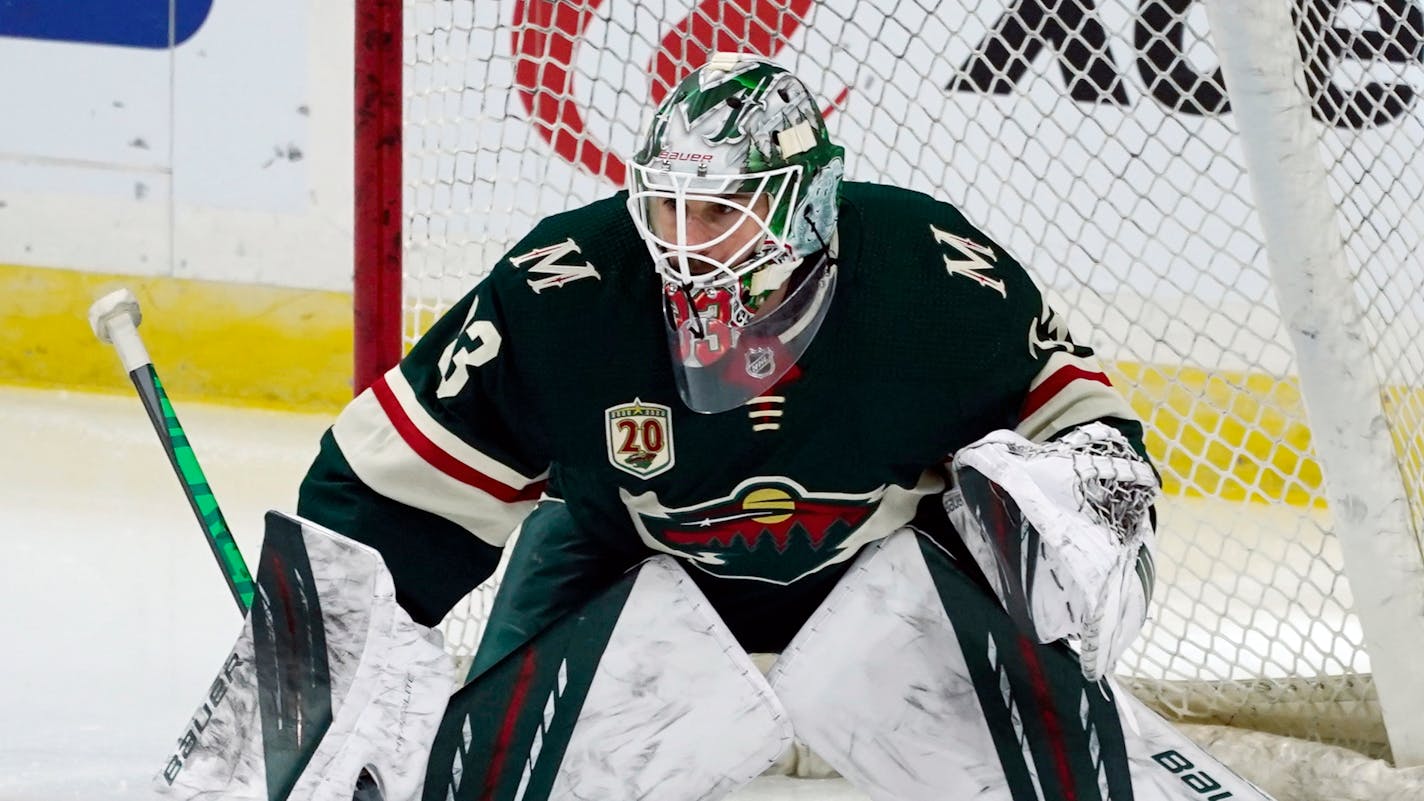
column 387, row 463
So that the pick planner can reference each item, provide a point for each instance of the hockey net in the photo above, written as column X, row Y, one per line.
column 1094, row 140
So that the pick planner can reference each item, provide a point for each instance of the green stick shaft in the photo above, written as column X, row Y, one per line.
column 195, row 484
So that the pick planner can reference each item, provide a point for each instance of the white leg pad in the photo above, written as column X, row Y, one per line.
column 878, row 683
column 681, row 713
column 643, row 693
column 385, row 680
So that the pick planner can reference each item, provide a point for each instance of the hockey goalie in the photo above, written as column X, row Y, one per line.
column 742, row 406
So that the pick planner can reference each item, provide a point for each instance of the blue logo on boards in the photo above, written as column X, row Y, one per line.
column 156, row 24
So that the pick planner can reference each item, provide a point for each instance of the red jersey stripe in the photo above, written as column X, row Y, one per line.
column 442, row 460
column 1065, row 375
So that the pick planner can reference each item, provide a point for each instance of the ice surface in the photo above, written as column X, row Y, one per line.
column 114, row 616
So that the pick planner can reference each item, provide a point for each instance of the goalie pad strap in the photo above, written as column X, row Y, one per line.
column 293, row 673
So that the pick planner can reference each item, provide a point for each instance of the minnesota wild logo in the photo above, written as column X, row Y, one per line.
column 746, row 90
column 769, row 528
column 639, row 437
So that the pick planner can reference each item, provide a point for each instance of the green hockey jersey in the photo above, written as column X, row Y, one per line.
column 553, row 377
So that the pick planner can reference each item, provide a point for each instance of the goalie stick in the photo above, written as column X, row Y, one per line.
column 115, row 318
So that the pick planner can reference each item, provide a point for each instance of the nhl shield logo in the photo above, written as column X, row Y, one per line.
column 761, row 362
column 639, row 438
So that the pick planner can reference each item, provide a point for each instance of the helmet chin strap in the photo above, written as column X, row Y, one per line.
column 806, row 212
column 699, row 328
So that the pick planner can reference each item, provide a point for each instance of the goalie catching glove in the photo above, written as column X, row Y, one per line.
column 1063, row 532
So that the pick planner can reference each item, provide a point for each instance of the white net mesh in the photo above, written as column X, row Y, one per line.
column 1093, row 141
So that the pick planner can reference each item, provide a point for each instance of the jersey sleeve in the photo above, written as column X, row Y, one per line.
column 432, row 465
column 1055, row 382
column 1069, row 386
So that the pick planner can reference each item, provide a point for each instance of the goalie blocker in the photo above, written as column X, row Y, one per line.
column 643, row 691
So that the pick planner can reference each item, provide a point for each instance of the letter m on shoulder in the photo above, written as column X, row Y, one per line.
column 975, row 260
column 549, row 263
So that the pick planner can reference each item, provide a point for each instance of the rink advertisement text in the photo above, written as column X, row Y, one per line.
column 1078, row 41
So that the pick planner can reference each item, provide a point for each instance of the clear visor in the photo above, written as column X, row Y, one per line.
column 710, row 230
column 721, row 367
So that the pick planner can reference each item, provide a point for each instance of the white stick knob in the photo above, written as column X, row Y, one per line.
column 115, row 318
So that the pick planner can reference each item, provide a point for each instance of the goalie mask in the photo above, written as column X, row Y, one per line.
column 734, row 188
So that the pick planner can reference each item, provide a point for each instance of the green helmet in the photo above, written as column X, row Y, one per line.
column 734, row 189
column 737, row 130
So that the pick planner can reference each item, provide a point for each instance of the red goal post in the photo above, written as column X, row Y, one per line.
column 1226, row 197
column 377, row 235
